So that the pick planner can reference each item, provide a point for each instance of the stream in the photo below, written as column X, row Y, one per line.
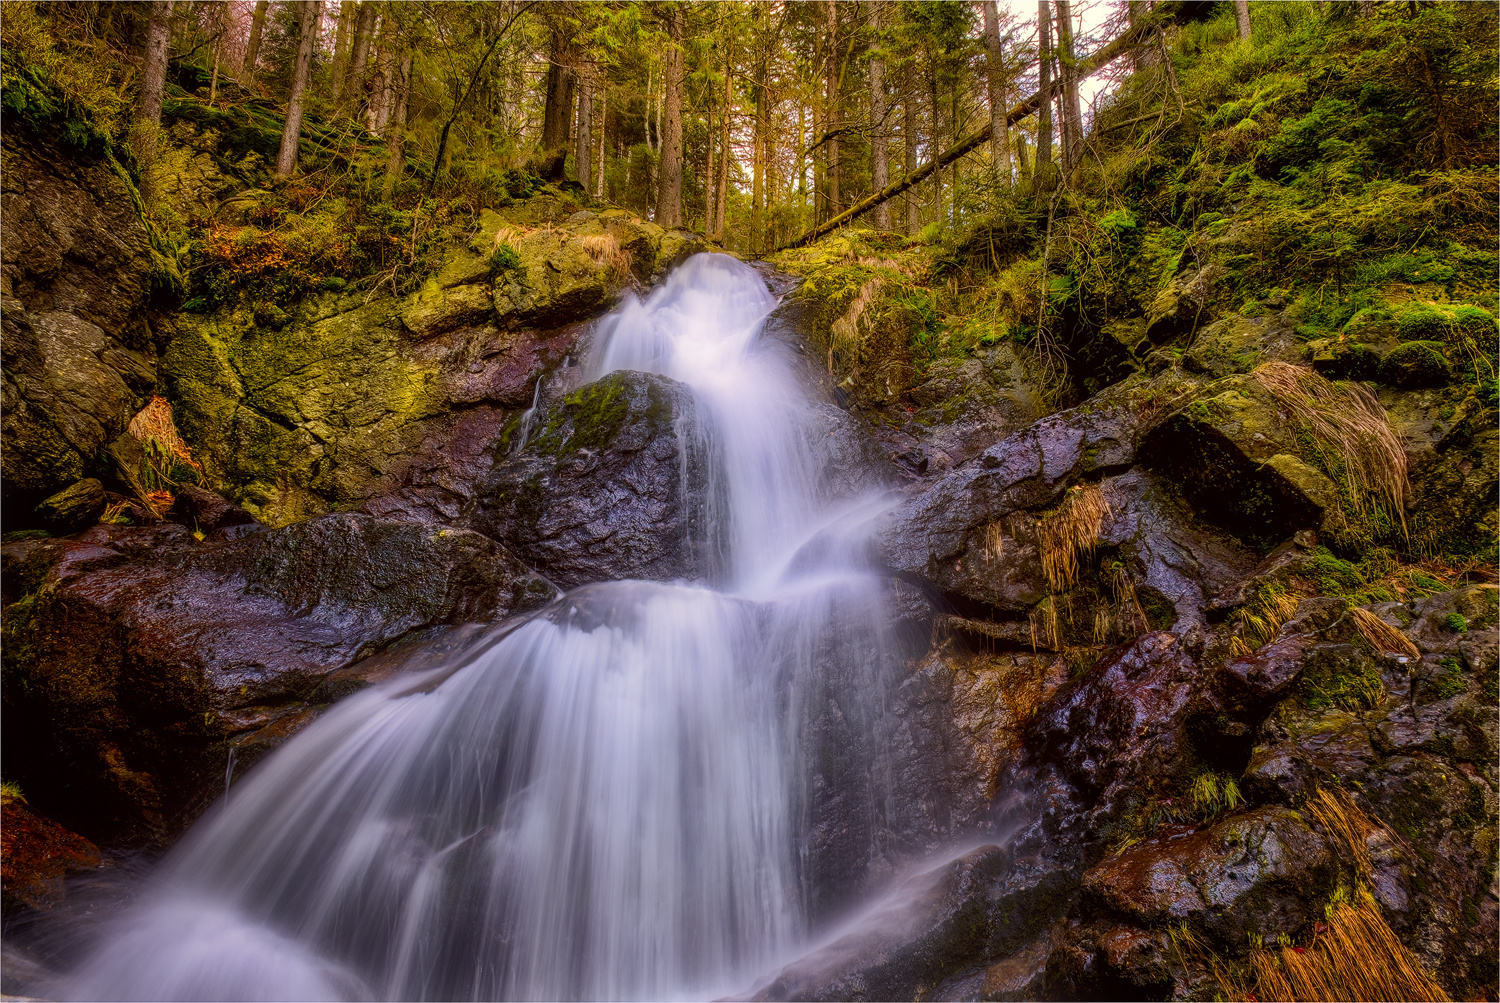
column 605, row 799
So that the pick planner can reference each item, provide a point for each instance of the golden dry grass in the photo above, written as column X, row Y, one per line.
column 1381, row 635
column 1070, row 531
column 846, row 337
column 604, row 250
column 1346, row 418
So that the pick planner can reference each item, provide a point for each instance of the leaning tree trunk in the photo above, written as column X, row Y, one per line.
column 880, row 173
column 252, row 49
column 995, row 78
column 307, row 36
column 154, row 72
column 669, row 186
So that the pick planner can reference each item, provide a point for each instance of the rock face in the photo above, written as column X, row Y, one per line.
column 36, row 853
column 612, row 482
column 135, row 658
column 75, row 278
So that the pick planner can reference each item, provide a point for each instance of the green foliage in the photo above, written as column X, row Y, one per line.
column 504, row 259
column 1457, row 623
column 1353, row 684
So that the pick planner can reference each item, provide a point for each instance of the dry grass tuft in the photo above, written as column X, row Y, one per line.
column 1044, row 627
column 1342, row 819
column 163, row 450
column 1381, row 635
column 1071, row 530
column 847, row 339
column 994, row 541
column 1349, row 419
column 603, row 249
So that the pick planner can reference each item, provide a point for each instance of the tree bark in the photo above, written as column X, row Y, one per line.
column 557, row 115
column 995, row 78
column 1072, row 117
column 880, row 174
column 396, row 139
column 347, row 14
column 1242, row 15
column 909, row 139
column 252, row 49
column 154, row 72
column 359, row 55
column 669, row 187
column 1165, row 12
column 218, row 22
column 758, row 183
column 603, row 122
column 722, row 194
column 583, row 134
column 835, row 117
column 308, row 12
column 1044, row 87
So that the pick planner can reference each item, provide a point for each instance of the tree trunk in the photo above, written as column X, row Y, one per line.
column 308, row 12
column 347, row 13
column 583, row 134
column 995, row 78
column 1072, row 122
column 557, row 115
column 669, row 188
column 218, row 22
column 154, row 72
column 603, row 122
column 379, row 111
column 880, row 174
column 722, row 195
column 359, row 55
column 758, row 183
column 835, row 117
column 1044, row 88
column 396, row 140
column 909, row 138
column 252, row 49
column 1242, row 15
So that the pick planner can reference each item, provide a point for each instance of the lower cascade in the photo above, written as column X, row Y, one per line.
column 602, row 800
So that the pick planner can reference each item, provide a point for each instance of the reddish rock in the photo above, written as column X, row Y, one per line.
column 36, row 853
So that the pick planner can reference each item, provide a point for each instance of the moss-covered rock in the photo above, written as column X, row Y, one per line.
column 610, row 483
column 74, row 507
column 1416, row 364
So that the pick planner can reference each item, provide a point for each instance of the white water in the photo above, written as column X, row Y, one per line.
column 603, row 803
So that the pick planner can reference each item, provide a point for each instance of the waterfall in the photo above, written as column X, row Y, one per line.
column 603, row 800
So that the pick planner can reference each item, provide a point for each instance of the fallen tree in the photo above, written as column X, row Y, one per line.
column 1162, row 15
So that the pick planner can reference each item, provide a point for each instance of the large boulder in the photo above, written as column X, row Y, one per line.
column 75, row 277
column 611, row 482
column 135, row 659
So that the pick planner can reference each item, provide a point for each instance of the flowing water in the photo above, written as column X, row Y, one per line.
column 607, row 799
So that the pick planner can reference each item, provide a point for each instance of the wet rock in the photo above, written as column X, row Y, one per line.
column 1179, row 307
column 74, row 277
column 1260, row 872
column 35, row 855
column 609, row 485
column 206, row 511
column 1416, row 364
column 134, row 656
column 929, row 928
column 1237, row 344
column 559, row 279
column 73, row 507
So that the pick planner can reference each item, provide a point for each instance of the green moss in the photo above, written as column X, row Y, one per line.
column 589, row 418
column 1416, row 364
column 1349, row 684
column 1456, row 623
column 1450, row 682
column 505, row 259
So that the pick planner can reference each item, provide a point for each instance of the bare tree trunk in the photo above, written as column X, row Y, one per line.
column 583, row 133
column 557, row 114
column 669, row 186
column 1044, row 69
column 1072, row 113
column 722, row 195
column 308, row 12
column 603, row 122
column 772, row 99
column 218, row 22
column 758, row 183
column 396, row 141
column 835, row 119
column 1021, row 164
column 909, row 138
column 359, row 55
column 379, row 111
column 995, row 78
column 154, row 72
column 252, row 49
column 1242, row 15
column 347, row 14
column 880, row 172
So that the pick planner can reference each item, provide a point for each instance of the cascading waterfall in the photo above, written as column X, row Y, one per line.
column 599, row 801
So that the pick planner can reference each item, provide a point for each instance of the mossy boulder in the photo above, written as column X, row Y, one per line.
column 74, row 507
column 1416, row 364
column 611, row 482
column 76, row 275
column 559, row 278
